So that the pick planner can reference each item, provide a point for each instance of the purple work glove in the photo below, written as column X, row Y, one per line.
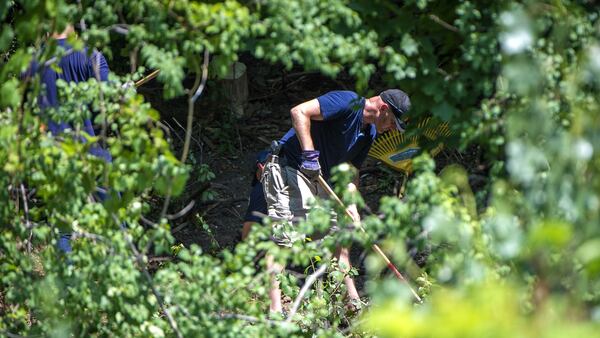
column 310, row 164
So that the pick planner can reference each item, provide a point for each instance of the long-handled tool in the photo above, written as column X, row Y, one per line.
column 375, row 247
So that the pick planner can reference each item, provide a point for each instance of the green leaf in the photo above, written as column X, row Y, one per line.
column 6, row 37
column 9, row 94
column 551, row 234
column 4, row 6
column 75, row 42
column 589, row 254
column 18, row 63
column 409, row 45
column 445, row 111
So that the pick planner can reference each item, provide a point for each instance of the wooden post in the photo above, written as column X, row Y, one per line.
column 235, row 89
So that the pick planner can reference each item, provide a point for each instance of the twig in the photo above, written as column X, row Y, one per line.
column 31, row 192
column 148, row 222
column 120, row 28
column 179, row 227
column 309, row 281
column 200, row 89
column 163, row 212
column 190, row 206
column 192, row 100
column 260, row 138
column 96, row 66
column 133, row 60
column 247, row 318
column 173, row 129
column 443, row 23
column 235, row 214
column 182, row 128
column 183, row 211
column 160, row 259
column 81, row 21
column 237, row 130
column 83, row 234
column 224, row 315
column 26, row 210
column 339, row 283
column 165, row 128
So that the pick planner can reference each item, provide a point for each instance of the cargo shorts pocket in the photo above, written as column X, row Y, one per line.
column 277, row 195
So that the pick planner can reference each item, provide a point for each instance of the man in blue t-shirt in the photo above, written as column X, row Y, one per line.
column 334, row 128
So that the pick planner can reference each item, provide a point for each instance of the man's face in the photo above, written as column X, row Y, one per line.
column 385, row 121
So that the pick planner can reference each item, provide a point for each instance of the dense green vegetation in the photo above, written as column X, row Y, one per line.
column 517, row 78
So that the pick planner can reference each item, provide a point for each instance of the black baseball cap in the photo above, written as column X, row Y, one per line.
column 398, row 102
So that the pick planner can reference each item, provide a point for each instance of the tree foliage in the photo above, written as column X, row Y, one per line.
column 520, row 79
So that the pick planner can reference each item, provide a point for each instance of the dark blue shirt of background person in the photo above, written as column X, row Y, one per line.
column 76, row 67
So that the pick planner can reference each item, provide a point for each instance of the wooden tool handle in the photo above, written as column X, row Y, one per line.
column 375, row 247
column 147, row 78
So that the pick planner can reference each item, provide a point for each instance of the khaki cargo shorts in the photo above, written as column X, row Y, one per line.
column 289, row 195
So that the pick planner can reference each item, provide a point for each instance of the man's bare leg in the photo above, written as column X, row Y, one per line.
column 246, row 227
column 343, row 257
column 273, row 269
column 274, row 290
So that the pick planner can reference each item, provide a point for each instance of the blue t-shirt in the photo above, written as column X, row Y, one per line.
column 339, row 137
column 75, row 67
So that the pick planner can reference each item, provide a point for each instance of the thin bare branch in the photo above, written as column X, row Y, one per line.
column 163, row 212
column 83, row 234
column 182, row 128
column 191, row 102
column 443, row 23
column 250, row 319
column 120, row 29
column 309, row 282
column 200, row 89
column 26, row 210
column 81, row 21
column 197, row 90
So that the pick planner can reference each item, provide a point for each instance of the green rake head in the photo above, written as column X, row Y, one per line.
column 397, row 151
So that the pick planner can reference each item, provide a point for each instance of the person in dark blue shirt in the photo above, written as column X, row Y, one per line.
column 337, row 127
column 75, row 66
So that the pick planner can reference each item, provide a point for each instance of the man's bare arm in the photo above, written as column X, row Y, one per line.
column 302, row 114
